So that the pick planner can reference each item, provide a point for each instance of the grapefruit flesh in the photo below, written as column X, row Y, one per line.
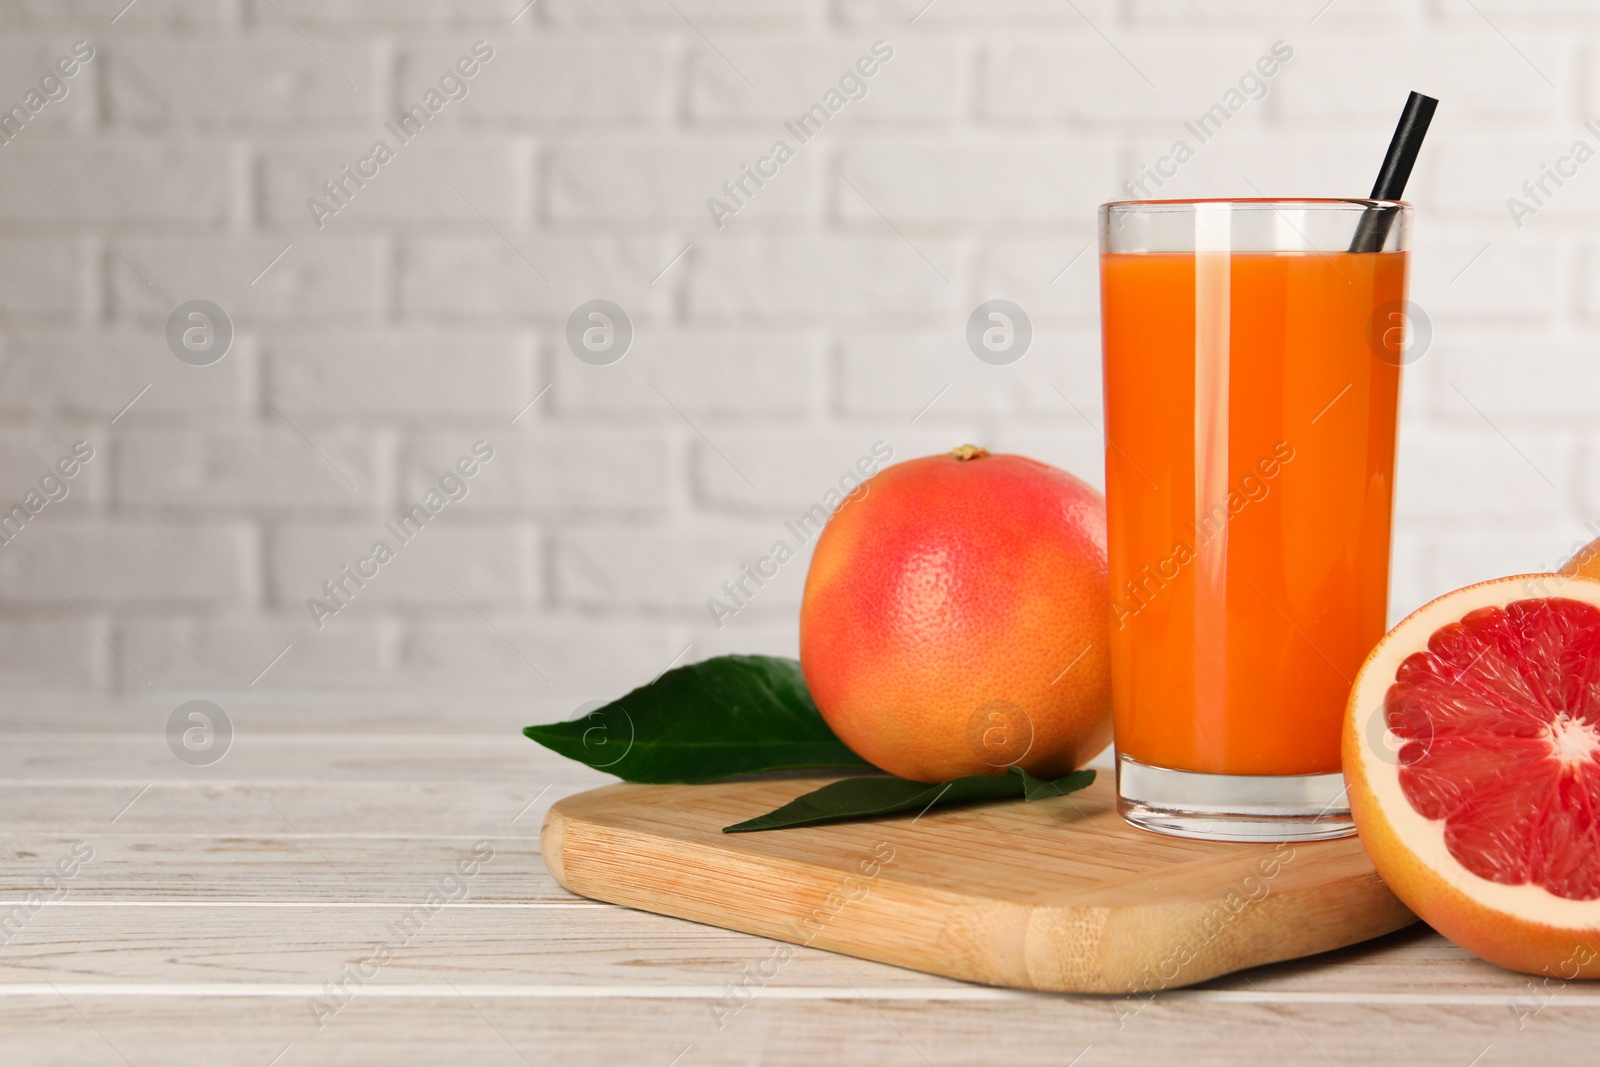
column 1472, row 753
column 955, row 618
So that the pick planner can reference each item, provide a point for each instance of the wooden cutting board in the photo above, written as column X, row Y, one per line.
column 1057, row 895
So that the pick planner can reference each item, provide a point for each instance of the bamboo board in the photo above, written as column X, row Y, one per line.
column 1057, row 895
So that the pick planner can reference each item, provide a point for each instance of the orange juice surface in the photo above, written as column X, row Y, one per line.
column 1249, row 482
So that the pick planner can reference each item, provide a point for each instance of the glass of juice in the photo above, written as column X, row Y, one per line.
column 1252, row 353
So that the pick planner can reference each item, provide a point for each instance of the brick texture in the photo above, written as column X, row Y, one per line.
column 770, row 349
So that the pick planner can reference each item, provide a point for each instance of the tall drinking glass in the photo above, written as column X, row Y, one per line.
column 1252, row 375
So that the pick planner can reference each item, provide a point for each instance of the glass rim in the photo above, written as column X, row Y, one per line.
column 1362, row 203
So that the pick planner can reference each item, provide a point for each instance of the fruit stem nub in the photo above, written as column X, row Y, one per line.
column 966, row 452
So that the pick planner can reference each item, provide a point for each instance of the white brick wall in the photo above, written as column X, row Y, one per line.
column 429, row 312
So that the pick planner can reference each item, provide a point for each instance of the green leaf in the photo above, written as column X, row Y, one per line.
column 860, row 798
column 1045, row 789
column 717, row 719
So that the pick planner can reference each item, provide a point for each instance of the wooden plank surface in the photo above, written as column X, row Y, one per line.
column 221, row 902
column 450, row 1029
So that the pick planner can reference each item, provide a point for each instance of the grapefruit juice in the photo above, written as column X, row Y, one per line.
column 1250, row 409
column 1249, row 543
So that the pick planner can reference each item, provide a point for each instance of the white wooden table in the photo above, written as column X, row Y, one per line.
column 272, row 909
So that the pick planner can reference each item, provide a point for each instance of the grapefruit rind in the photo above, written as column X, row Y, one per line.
column 1423, row 836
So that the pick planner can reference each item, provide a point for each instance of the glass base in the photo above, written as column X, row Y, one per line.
column 1233, row 807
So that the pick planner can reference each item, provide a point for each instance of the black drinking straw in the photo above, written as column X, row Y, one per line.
column 1397, row 163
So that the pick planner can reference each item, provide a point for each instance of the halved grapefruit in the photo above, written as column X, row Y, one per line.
column 1472, row 756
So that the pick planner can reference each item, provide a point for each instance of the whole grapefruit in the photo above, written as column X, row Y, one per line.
column 1585, row 563
column 955, row 618
column 1472, row 757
